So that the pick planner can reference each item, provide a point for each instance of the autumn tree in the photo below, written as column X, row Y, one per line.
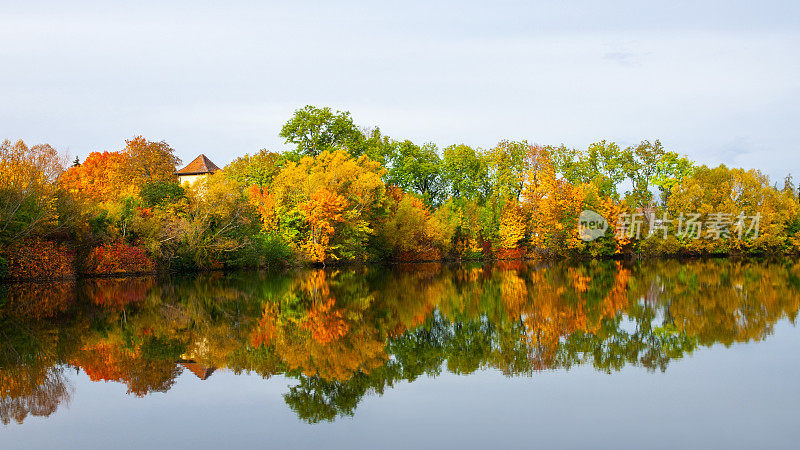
column 322, row 211
column 412, row 231
column 217, row 225
column 733, row 198
column 148, row 161
column 554, row 205
column 512, row 226
column 100, row 178
column 28, row 189
column 331, row 190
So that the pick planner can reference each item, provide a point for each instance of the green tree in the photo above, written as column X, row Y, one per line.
column 602, row 164
column 671, row 170
column 507, row 163
column 154, row 193
column 416, row 169
column 315, row 130
column 641, row 166
column 256, row 170
column 465, row 172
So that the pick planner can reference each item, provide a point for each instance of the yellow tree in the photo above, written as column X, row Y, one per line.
column 264, row 203
column 555, row 205
column 28, row 188
column 325, row 205
column 411, row 230
column 512, row 226
column 731, row 202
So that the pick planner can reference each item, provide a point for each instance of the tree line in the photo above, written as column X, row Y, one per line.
column 347, row 193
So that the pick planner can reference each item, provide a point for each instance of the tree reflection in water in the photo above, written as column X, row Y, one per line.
column 346, row 333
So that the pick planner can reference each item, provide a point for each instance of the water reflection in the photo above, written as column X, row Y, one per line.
column 344, row 334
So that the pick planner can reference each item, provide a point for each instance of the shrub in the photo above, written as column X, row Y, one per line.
column 39, row 258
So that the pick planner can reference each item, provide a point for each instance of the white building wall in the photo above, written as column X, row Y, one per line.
column 190, row 179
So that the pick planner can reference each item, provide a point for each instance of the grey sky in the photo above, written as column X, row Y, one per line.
column 719, row 81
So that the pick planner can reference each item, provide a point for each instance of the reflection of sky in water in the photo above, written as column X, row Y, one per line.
column 742, row 396
column 629, row 325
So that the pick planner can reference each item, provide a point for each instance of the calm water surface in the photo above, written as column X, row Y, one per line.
column 656, row 354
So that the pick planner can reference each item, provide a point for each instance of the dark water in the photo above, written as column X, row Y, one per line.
column 658, row 354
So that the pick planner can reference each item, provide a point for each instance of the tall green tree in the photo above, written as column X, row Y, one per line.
column 417, row 169
column 465, row 172
column 314, row 130
column 506, row 166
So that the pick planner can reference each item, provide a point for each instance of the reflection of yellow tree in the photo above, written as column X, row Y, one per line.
column 37, row 394
column 561, row 309
column 358, row 351
column 513, row 292
column 31, row 380
column 326, row 323
column 329, row 340
column 266, row 328
column 728, row 301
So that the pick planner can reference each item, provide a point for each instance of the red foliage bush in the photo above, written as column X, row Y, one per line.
column 39, row 258
column 118, row 258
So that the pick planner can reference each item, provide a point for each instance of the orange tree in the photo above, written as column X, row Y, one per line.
column 100, row 178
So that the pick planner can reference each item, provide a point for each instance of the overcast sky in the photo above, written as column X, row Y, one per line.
column 716, row 80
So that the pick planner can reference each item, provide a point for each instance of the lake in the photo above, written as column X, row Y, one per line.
column 664, row 354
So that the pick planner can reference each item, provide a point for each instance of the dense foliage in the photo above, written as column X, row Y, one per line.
column 350, row 194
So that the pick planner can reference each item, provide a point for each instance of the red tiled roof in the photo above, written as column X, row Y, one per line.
column 200, row 165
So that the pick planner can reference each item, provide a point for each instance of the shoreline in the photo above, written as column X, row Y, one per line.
column 632, row 258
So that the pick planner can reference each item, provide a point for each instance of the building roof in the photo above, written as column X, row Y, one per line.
column 200, row 165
